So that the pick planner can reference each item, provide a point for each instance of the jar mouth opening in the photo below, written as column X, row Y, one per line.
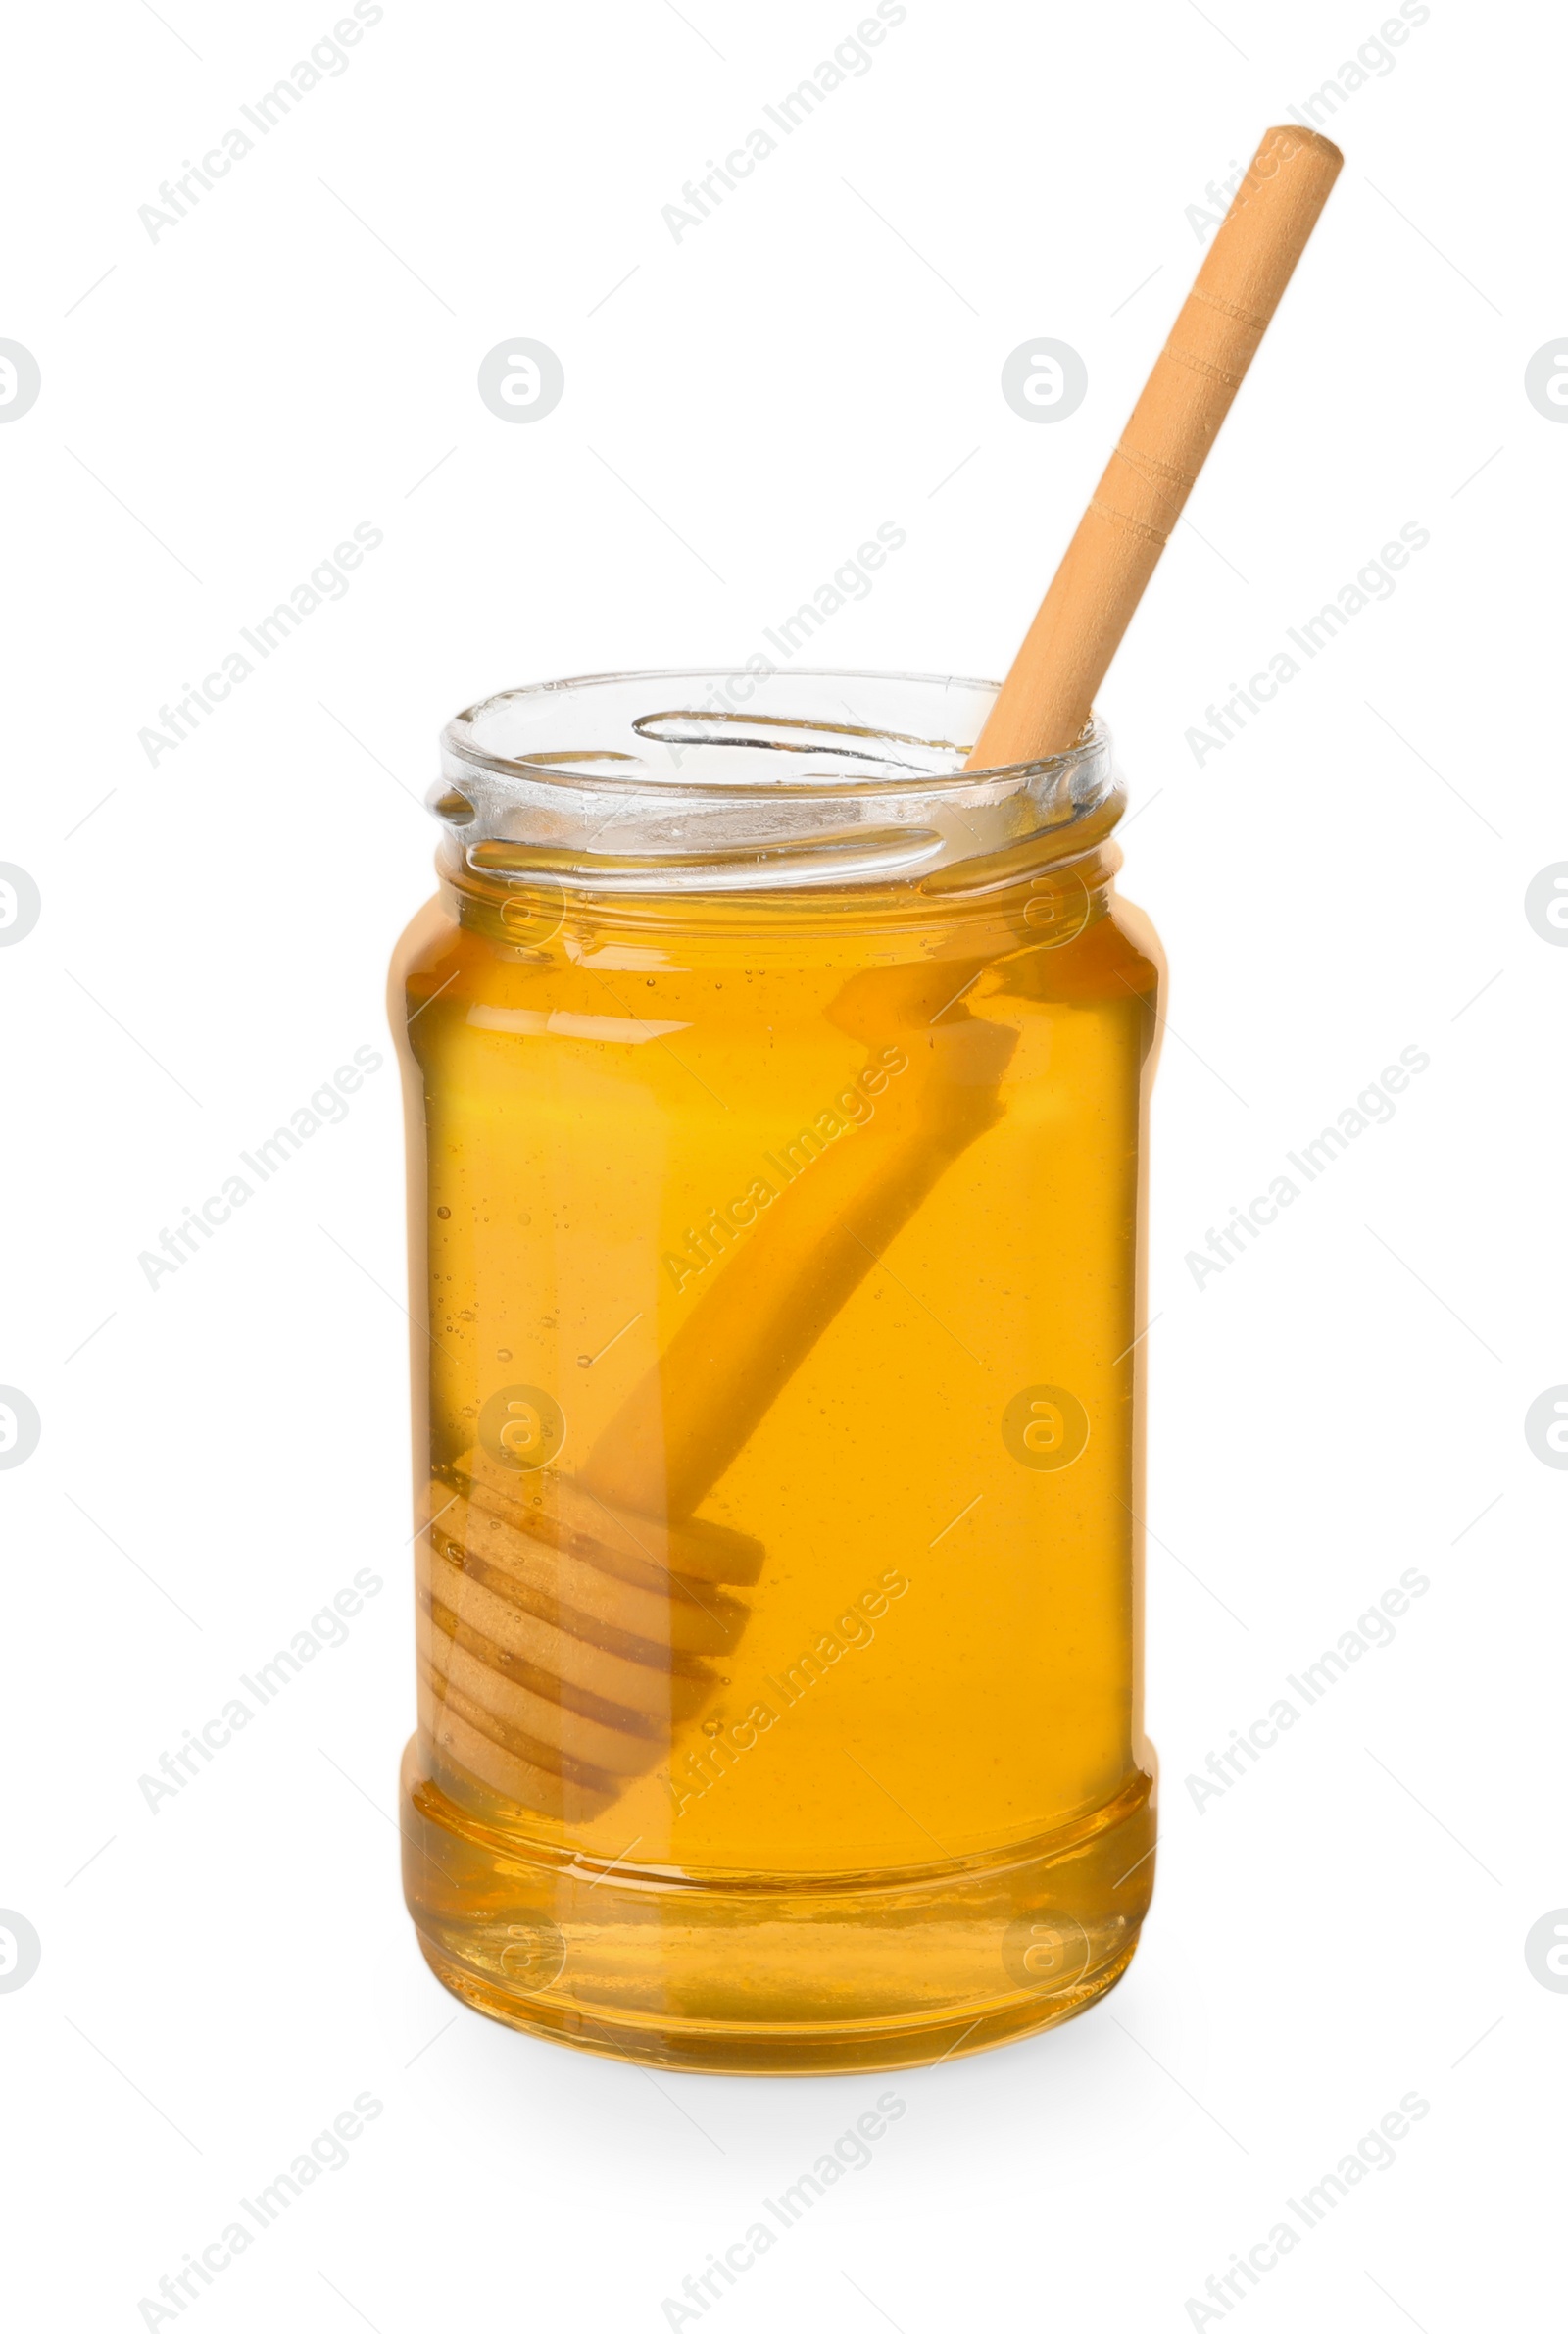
column 479, row 735
column 751, row 778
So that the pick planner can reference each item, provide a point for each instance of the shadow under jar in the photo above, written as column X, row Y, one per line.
column 777, row 1098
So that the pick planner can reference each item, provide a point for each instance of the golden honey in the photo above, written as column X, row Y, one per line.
column 776, row 1252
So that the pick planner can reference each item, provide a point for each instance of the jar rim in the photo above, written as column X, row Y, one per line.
column 455, row 739
column 753, row 777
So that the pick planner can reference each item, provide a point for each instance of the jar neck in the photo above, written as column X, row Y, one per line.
column 857, row 788
column 1039, row 892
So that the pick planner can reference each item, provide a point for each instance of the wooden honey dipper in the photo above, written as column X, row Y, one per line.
column 564, row 1621
column 1048, row 694
column 692, row 1413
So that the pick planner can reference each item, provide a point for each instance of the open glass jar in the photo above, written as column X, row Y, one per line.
column 777, row 1100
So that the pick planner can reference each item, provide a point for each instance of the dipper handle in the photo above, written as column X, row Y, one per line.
column 1048, row 696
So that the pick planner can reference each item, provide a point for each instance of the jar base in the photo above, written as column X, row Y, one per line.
column 820, row 2049
column 793, row 1974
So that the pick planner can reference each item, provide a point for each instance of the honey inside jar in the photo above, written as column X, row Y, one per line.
column 777, row 1251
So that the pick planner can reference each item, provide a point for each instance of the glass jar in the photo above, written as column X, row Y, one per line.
column 778, row 1095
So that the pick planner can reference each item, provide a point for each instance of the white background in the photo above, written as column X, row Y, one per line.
column 1346, row 1923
